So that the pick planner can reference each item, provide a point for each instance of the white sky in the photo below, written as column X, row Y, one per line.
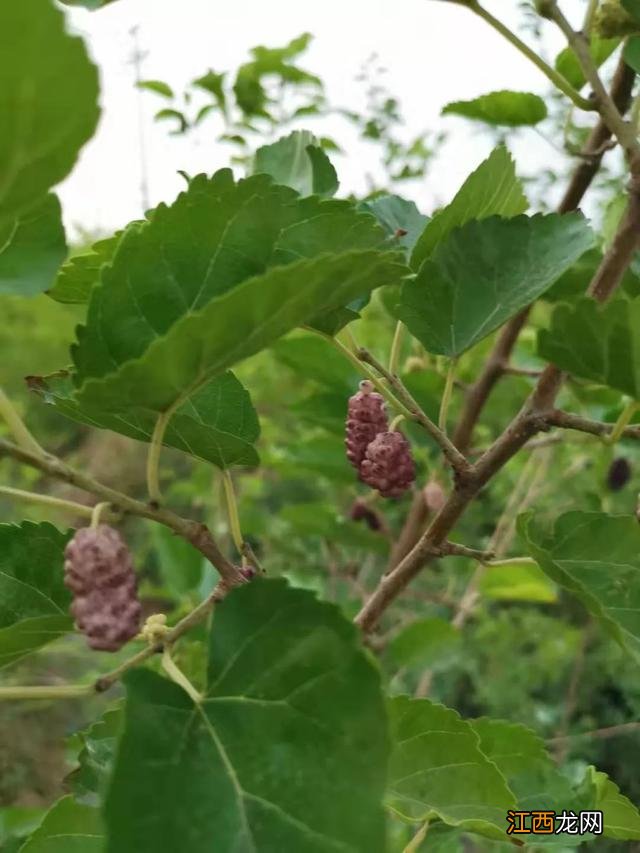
column 436, row 52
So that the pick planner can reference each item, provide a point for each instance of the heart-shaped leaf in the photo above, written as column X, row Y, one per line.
column 286, row 751
column 492, row 190
column 484, row 273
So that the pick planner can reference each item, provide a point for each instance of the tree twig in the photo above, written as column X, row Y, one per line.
column 194, row 532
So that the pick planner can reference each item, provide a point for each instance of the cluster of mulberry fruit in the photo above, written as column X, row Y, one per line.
column 99, row 572
column 382, row 457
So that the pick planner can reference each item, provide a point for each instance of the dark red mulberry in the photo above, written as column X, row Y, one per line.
column 619, row 474
column 365, row 419
column 388, row 464
column 360, row 511
column 99, row 571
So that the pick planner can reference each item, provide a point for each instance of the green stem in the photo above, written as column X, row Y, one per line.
column 396, row 346
column 97, row 513
column 414, row 845
column 518, row 561
column 364, row 370
column 394, row 423
column 176, row 674
column 589, row 15
column 558, row 80
column 622, row 423
column 446, row 396
column 153, row 457
column 53, row 691
column 17, row 426
column 232, row 510
column 47, row 500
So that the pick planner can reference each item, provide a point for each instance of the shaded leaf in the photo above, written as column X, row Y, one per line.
column 89, row 780
column 522, row 758
column 286, row 752
column 181, row 566
column 597, row 342
column 32, row 247
column 68, row 827
column 313, row 358
column 510, row 109
column 437, row 769
column 492, row 190
column 597, row 558
column 427, row 643
column 33, row 599
column 397, row 215
column 218, row 423
column 621, row 818
column 297, row 161
column 48, row 105
column 484, row 273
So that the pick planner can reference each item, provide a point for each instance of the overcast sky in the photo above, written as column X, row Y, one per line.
column 435, row 52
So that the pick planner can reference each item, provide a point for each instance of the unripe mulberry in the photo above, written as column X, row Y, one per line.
column 434, row 496
column 99, row 571
column 365, row 419
column 612, row 20
column 388, row 464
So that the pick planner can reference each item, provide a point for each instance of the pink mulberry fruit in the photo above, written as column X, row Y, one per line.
column 388, row 464
column 99, row 571
column 365, row 419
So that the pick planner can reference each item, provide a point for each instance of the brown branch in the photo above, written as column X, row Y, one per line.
column 412, row 530
column 196, row 533
column 566, row 420
column 606, row 732
column 196, row 616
